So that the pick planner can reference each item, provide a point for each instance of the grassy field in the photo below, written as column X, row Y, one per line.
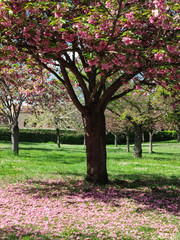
column 43, row 194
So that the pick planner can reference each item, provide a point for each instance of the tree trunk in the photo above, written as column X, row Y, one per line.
column 15, row 138
column 84, row 144
column 178, row 136
column 94, row 125
column 150, row 141
column 115, row 140
column 143, row 136
column 138, row 141
column 58, row 137
column 127, row 143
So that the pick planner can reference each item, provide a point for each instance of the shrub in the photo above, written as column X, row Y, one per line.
column 73, row 137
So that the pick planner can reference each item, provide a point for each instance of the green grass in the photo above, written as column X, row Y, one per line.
column 140, row 202
column 46, row 160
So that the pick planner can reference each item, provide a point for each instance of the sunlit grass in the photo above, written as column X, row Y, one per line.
column 43, row 194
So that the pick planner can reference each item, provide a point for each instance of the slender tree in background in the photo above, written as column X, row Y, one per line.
column 104, row 44
column 117, row 126
column 51, row 107
column 173, row 120
column 16, row 85
column 144, row 110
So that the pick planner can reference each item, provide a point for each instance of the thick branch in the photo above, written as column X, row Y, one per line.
column 71, row 90
column 106, row 98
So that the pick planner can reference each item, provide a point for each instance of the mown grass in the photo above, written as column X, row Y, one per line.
column 143, row 191
column 45, row 159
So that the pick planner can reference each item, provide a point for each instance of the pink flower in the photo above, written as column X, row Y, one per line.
column 130, row 15
column 177, row 87
column 97, row 35
column 171, row 49
column 160, row 56
column 155, row 13
column 127, row 40
column 138, row 87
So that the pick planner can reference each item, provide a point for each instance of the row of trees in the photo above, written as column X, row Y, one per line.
column 143, row 111
column 140, row 111
column 99, row 51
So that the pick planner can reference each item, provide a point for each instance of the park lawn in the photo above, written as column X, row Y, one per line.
column 43, row 194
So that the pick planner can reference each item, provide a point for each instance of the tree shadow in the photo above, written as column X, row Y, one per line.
column 59, row 158
column 38, row 149
column 152, row 194
column 17, row 232
column 167, row 154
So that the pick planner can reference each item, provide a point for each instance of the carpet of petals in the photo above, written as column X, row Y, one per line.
column 73, row 209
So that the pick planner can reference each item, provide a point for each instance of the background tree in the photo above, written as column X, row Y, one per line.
column 171, row 105
column 104, row 44
column 50, row 108
column 16, row 83
column 117, row 126
column 173, row 119
column 144, row 110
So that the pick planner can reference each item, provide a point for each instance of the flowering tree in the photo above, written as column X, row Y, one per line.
column 16, row 84
column 104, row 44
column 51, row 106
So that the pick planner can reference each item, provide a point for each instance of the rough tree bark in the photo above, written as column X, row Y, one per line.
column 15, row 138
column 95, row 134
column 137, row 140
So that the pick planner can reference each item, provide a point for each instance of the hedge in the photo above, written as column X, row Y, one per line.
column 73, row 137
column 43, row 135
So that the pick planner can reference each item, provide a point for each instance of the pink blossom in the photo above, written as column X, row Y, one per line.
column 171, row 49
column 57, row 15
column 155, row 13
column 177, row 87
column 138, row 87
column 130, row 16
column 127, row 40
column 160, row 56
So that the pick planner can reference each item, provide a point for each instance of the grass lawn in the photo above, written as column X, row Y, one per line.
column 43, row 194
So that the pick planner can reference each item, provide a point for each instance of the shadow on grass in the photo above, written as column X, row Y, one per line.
column 155, row 194
column 64, row 149
column 59, row 158
column 17, row 232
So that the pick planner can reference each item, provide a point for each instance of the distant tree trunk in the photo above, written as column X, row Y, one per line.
column 58, row 137
column 84, row 141
column 127, row 142
column 95, row 132
column 143, row 136
column 15, row 138
column 115, row 140
column 150, row 141
column 178, row 136
column 137, row 140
